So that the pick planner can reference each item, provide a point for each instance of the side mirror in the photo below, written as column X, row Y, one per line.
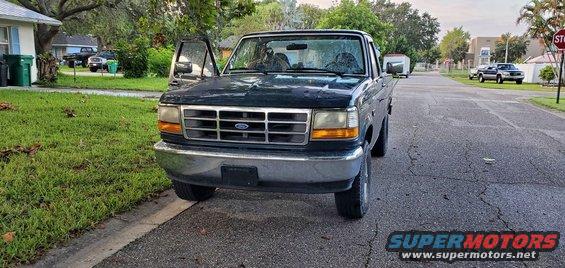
column 183, row 67
column 389, row 68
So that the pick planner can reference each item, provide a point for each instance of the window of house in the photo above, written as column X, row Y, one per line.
column 4, row 41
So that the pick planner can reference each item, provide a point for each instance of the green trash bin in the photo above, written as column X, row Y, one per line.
column 112, row 66
column 19, row 67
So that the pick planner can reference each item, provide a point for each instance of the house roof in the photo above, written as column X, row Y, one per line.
column 229, row 42
column 545, row 58
column 63, row 39
column 10, row 11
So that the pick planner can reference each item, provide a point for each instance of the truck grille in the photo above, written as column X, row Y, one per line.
column 246, row 125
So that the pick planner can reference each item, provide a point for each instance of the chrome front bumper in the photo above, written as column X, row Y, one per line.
column 276, row 170
column 513, row 77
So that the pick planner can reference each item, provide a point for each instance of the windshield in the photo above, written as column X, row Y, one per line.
column 333, row 54
column 106, row 54
column 507, row 67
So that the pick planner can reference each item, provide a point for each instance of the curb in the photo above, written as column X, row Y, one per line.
column 115, row 233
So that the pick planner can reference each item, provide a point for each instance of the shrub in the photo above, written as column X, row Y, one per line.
column 221, row 63
column 160, row 60
column 547, row 74
column 134, row 57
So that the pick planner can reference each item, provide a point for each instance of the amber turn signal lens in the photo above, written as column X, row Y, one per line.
column 169, row 127
column 335, row 133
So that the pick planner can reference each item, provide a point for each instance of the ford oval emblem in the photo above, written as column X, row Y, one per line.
column 241, row 126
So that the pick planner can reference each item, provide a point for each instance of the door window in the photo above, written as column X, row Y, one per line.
column 195, row 60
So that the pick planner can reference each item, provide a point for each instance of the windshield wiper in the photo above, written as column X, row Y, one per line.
column 340, row 74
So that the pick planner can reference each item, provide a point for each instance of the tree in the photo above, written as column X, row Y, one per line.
column 202, row 17
column 349, row 15
column 547, row 73
column 517, row 47
column 420, row 30
column 267, row 16
column 123, row 21
column 544, row 18
column 62, row 10
column 310, row 16
column 430, row 56
column 455, row 44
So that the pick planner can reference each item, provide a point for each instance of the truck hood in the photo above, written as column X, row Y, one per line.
column 273, row 90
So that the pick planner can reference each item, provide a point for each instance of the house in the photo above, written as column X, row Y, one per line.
column 17, row 31
column 65, row 44
column 482, row 48
column 227, row 45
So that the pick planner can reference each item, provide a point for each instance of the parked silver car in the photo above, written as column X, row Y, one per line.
column 473, row 72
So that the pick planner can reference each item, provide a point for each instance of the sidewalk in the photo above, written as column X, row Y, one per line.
column 106, row 92
column 70, row 73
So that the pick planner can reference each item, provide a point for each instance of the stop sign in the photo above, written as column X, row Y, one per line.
column 559, row 39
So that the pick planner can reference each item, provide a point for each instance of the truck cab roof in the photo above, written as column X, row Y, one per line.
column 309, row 31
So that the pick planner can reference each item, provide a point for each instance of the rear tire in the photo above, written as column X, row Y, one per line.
column 481, row 78
column 71, row 64
column 379, row 150
column 354, row 203
column 499, row 79
column 470, row 77
column 192, row 192
column 519, row 82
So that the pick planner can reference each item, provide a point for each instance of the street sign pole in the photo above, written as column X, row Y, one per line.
column 560, row 77
column 559, row 42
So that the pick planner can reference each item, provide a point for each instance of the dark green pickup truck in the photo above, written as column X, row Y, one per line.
column 292, row 111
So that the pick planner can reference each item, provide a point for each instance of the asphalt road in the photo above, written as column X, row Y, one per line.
column 433, row 178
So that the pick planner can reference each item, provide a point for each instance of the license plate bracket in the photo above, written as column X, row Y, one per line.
column 240, row 175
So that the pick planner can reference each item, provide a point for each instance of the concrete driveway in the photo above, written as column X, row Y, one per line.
column 433, row 178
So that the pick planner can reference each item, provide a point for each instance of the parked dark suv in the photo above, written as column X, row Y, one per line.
column 500, row 72
column 292, row 111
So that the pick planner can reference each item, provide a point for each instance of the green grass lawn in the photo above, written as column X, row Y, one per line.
column 110, row 82
column 66, row 68
column 69, row 161
column 464, row 79
column 550, row 103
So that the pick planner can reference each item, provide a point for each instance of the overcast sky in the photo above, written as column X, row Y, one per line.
column 479, row 17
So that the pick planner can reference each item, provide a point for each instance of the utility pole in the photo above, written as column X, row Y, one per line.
column 506, row 52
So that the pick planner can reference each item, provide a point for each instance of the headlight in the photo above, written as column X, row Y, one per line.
column 169, row 119
column 335, row 124
column 505, row 73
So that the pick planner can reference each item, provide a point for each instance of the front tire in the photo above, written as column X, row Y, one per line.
column 379, row 150
column 354, row 203
column 519, row 82
column 499, row 79
column 192, row 192
column 481, row 78
column 93, row 69
column 470, row 77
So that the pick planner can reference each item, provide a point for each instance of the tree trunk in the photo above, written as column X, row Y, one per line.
column 47, row 66
column 101, row 44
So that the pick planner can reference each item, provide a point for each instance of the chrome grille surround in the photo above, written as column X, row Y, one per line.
column 256, row 125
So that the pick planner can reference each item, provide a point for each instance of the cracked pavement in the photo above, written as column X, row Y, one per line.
column 433, row 178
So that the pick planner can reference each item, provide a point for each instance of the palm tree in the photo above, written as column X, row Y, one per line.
column 544, row 18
